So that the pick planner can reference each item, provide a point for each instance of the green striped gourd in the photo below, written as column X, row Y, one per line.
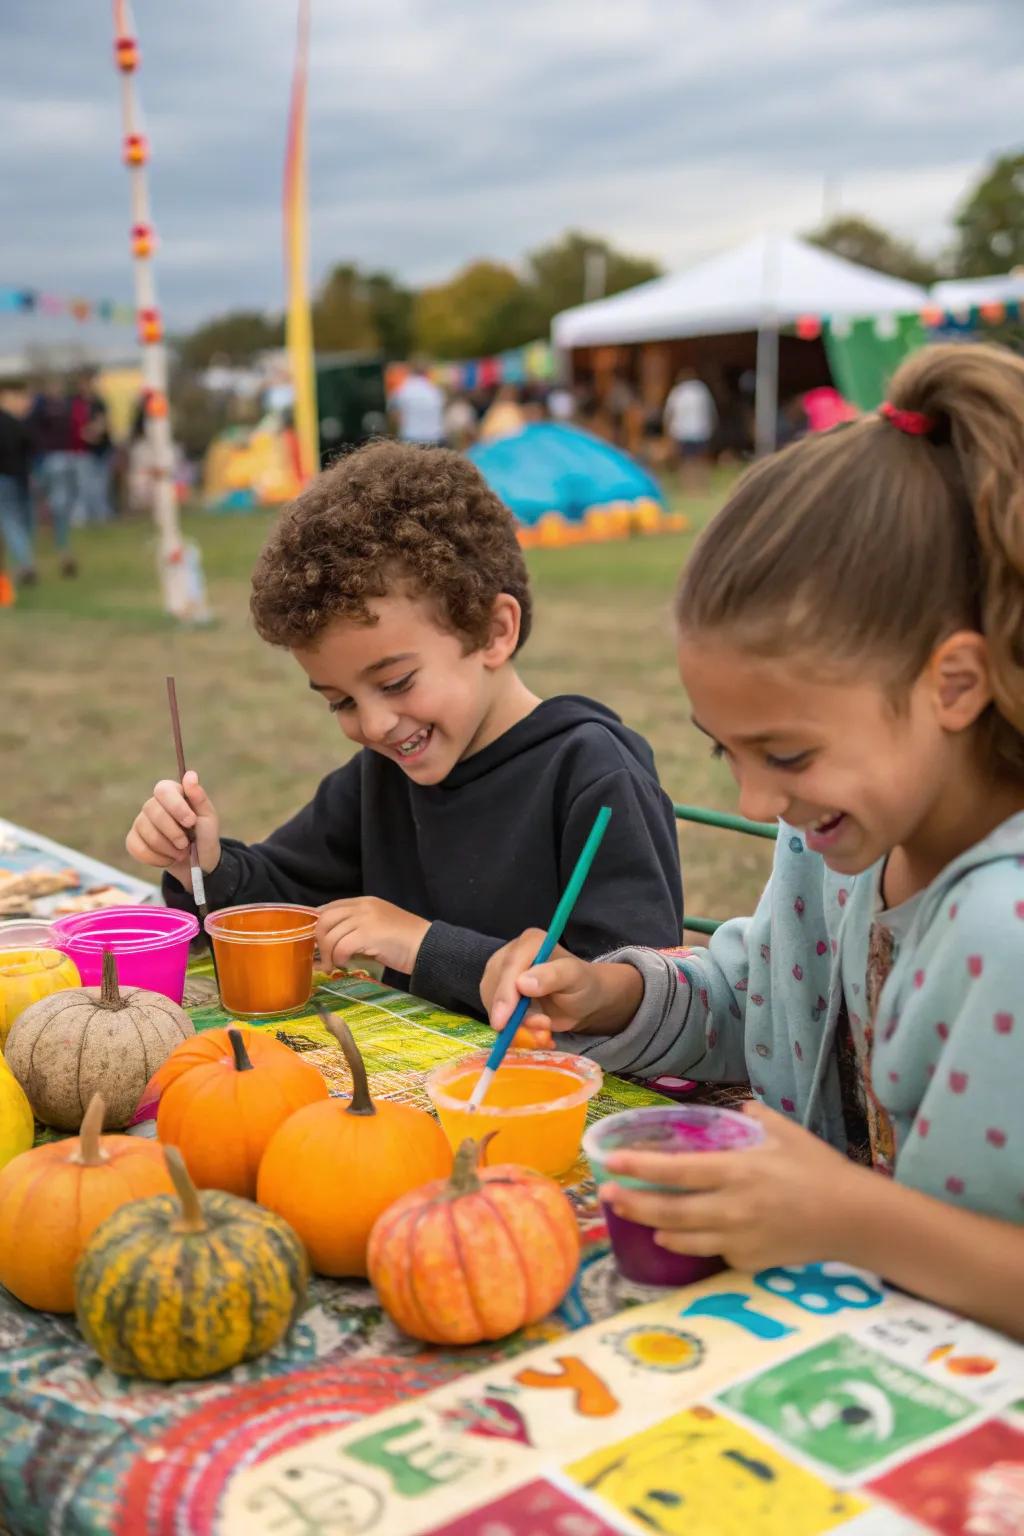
column 181, row 1288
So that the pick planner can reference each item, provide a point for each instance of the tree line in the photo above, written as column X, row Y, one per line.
column 488, row 306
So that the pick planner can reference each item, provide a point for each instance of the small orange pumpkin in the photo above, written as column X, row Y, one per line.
column 476, row 1256
column 53, row 1198
column 333, row 1168
column 223, row 1094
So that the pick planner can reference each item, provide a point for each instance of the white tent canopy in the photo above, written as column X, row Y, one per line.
column 965, row 292
column 772, row 280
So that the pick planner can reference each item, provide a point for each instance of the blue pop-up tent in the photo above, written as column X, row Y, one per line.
column 549, row 471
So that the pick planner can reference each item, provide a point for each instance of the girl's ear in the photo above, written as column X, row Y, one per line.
column 958, row 672
column 506, row 617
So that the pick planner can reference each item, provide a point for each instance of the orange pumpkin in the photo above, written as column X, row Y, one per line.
column 476, row 1256
column 333, row 1168
column 223, row 1094
column 53, row 1198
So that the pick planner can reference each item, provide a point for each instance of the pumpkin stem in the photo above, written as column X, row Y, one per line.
column 467, row 1160
column 89, row 1152
column 241, row 1055
column 362, row 1103
column 110, row 993
column 191, row 1218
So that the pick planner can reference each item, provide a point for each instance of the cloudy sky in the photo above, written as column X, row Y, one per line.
column 441, row 130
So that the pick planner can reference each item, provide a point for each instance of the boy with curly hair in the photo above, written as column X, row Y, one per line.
column 397, row 583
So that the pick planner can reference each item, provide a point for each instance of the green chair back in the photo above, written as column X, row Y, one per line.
column 725, row 823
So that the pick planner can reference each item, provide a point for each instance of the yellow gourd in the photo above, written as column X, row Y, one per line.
column 26, row 975
column 17, row 1127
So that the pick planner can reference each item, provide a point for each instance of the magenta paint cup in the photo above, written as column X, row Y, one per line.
column 149, row 943
column 661, row 1128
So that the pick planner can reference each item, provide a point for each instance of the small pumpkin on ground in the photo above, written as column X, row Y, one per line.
column 334, row 1167
column 89, row 1040
column 17, row 1123
column 222, row 1096
column 181, row 1288
column 53, row 1198
column 476, row 1256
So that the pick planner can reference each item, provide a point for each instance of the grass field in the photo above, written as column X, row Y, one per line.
column 83, row 715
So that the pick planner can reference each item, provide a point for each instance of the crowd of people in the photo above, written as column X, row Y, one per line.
column 421, row 411
column 56, row 462
column 686, row 433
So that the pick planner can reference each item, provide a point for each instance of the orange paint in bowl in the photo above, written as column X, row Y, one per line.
column 264, row 955
column 537, row 1105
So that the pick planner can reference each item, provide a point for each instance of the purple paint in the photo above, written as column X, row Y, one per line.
column 640, row 1258
column 668, row 1128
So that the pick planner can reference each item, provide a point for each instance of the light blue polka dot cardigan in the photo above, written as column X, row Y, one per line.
column 761, row 1005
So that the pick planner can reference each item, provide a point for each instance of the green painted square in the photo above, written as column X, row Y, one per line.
column 847, row 1406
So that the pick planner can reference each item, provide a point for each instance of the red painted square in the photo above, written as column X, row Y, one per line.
column 536, row 1509
column 974, row 1483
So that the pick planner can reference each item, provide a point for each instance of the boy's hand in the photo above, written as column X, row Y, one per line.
column 566, row 993
column 157, row 835
column 365, row 925
column 779, row 1203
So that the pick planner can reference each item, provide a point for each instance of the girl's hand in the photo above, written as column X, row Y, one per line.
column 565, row 993
column 365, row 925
column 158, row 833
column 783, row 1202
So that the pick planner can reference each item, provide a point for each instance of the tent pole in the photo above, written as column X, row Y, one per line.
column 766, row 401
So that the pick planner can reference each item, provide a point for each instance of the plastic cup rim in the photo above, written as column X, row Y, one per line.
column 661, row 1112
column 298, row 934
column 181, row 929
column 590, row 1075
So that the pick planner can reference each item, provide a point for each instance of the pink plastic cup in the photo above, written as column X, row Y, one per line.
column 150, row 943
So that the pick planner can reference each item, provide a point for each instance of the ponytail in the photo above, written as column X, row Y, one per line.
column 975, row 397
column 881, row 538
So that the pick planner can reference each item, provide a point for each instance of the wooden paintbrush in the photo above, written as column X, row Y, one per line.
column 198, row 885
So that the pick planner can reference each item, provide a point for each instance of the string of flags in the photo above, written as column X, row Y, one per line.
column 521, row 365
column 932, row 317
column 29, row 301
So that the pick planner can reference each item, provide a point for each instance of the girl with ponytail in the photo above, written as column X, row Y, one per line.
column 851, row 638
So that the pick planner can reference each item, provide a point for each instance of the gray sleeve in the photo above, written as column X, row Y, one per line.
column 665, row 1035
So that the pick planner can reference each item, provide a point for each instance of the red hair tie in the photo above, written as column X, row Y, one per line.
column 913, row 423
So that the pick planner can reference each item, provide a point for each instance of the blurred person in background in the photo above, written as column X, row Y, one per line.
column 460, row 423
column 55, row 474
column 561, row 403
column 93, row 449
column 16, row 522
column 417, row 407
column 690, row 418
column 505, row 417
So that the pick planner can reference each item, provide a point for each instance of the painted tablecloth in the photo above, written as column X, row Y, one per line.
column 790, row 1403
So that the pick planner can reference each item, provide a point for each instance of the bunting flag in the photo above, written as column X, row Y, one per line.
column 299, row 321
column 932, row 317
column 29, row 301
column 532, row 364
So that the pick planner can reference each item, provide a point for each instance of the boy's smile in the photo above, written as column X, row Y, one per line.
column 410, row 690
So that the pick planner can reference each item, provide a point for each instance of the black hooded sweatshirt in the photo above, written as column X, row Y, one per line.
column 485, row 853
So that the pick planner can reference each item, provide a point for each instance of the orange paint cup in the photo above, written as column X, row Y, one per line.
column 537, row 1104
column 264, row 955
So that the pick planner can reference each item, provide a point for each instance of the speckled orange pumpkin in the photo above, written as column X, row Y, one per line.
column 333, row 1168
column 475, row 1256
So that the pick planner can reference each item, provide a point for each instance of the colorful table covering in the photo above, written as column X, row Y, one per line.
column 791, row 1403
